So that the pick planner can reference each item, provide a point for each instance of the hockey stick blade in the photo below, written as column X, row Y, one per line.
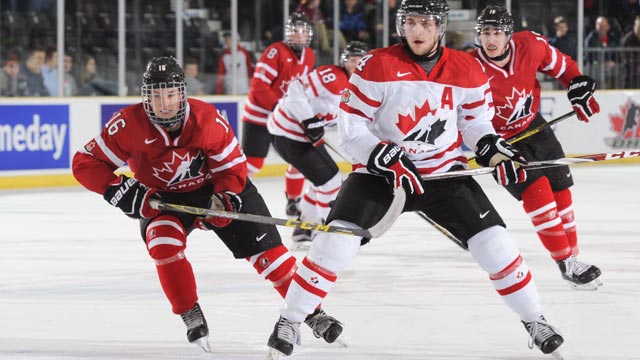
column 376, row 231
column 538, row 164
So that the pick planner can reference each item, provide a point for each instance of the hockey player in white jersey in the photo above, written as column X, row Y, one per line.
column 406, row 111
column 297, row 124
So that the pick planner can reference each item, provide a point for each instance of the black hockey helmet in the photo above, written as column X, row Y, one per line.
column 163, row 73
column 438, row 9
column 297, row 23
column 353, row 48
column 497, row 17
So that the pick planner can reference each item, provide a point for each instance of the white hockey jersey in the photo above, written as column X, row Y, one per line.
column 316, row 94
column 391, row 98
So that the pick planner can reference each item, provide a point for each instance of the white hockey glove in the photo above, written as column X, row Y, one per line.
column 580, row 94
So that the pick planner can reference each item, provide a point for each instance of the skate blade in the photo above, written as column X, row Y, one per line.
column 556, row 355
column 300, row 245
column 275, row 354
column 591, row 286
column 341, row 343
column 203, row 343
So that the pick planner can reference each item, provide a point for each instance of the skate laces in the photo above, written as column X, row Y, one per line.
column 289, row 331
column 574, row 266
column 193, row 318
column 539, row 330
column 320, row 322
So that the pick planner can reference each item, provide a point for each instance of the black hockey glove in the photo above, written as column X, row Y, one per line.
column 222, row 201
column 493, row 150
column 388, row 160
column 580, row 94
column 130, row 196
column 314, row 130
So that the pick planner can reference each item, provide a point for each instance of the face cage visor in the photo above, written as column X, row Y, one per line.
column 440, row 20
column 507, row 30
column 167, row 96
column 300, row 28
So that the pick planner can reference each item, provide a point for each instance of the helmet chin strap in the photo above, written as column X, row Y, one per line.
column 434, row 53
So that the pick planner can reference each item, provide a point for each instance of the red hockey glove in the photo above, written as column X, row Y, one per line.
column 508, row 173
column 130, row 196
column 580, row 94
column 222, row 201
column 314, row 130
column 388, row 160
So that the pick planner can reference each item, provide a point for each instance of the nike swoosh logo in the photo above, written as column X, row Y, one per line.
column 569, row 175
column 289, row 60
column 399, row 74
column 484, row 214
column 258, row 238
column 147, row 141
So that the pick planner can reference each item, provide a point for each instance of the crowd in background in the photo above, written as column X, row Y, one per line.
column 29, row 58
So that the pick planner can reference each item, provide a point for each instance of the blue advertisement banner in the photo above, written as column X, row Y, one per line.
column 228, row 109
column 34, row 137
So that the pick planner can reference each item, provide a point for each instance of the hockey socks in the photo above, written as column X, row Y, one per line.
column 539, row 203
column 276, row 265
column 254, row 164
column 294, row 183
column 565, row 210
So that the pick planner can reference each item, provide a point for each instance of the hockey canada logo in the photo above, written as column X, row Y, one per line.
column 183, row 170
column 625, row 125
column 408, row 124
column 518, row 106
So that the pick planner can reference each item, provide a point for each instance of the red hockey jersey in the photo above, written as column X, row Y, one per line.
column 515, row 88
column 317, row 94
column 391, row 98
column 206, row 151
column 276, row 69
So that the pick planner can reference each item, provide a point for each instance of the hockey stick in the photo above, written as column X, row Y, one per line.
column 539, row 164
column 395, row 209
column 531, row 132
column 337, row 150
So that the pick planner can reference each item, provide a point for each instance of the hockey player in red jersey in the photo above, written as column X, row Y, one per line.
column 183, row 151
column 406, row 111
column 511, row 60
column 281, row 64
column 297, row 125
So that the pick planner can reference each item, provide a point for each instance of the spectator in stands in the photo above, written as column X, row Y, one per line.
column 10, row 83
column 31, row 73
column 90, row 84
column 377, row 27
column 50, row 70
column 561, row 40
column 353, row 24
column 244, row 68
column 191, row 71
column 322, row 33
column 632, row 56
column 603, row 65
column 70, row 85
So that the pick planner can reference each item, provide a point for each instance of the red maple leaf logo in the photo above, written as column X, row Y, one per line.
column 625, row 124
column 409, row 120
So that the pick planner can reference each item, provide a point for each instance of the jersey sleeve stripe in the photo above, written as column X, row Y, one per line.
column 262, row 65
column 354, row 111
column 362, row 97
column 262, row 77
column 233, row 145
column 313, row 86
column 238, row 160
column 288, row 118
column 257, row 108
column 108, row 153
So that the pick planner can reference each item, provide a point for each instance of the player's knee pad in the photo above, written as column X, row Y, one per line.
column 166, row 239
column 333, row 252
column 276, row 264
column 330, row 187
column 493, row 249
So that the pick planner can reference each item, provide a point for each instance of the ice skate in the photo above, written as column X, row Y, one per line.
column 292, row 209
column 301, row 239
column 197, row 329
column 580, row 275
column 324, row 326
column 285, row 335
column 544, row 336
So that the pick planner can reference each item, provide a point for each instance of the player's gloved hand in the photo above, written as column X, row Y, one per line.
column 388, row 160
column 493, row 150
column 580, row 94
column 508, row 173
column 221, row 201
column 314, row 130
column 130, row 196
